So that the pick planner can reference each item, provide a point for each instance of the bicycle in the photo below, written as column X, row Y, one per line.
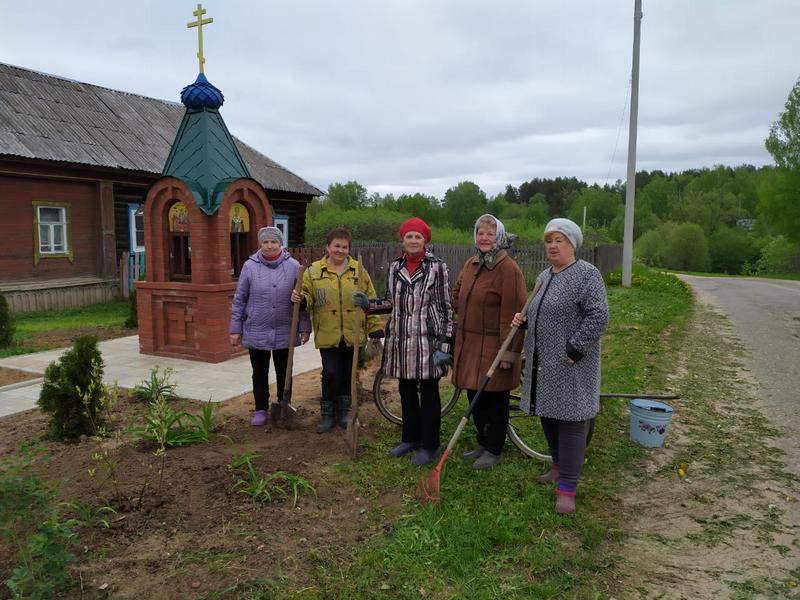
column 524, row 430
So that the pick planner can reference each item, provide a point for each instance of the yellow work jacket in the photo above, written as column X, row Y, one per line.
column 329, row 299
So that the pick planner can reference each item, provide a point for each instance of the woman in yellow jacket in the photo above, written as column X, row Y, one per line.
column 328, row 287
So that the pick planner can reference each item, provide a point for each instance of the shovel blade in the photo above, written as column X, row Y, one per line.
column 276, row 412
column 351, row 437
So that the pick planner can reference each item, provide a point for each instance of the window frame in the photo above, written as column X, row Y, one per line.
column 67, row 253
column 132, row 210
column 284, row 221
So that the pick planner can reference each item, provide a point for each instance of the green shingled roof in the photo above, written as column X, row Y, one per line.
column 204, row 156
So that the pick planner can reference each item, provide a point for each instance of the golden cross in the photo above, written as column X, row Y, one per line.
column 199, row 24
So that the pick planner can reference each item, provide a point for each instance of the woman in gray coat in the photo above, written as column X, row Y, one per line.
column 561, row 381
column 261, row 315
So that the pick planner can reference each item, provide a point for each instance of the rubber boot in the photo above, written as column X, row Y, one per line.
column 487, row 460
column 343, row 411
column 565, row 503
column 551, row 475
column 260, row 418
column 326, row 412
column 476, row 453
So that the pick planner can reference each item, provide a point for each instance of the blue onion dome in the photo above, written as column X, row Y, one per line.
column 201, row 94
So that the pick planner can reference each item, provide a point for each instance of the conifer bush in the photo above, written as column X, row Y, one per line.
column 73, row 392
column 132, row 322
column 6, row 324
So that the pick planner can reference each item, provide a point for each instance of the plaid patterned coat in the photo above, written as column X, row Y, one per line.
column 421, row 321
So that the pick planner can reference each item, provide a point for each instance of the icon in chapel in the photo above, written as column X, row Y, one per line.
column 178, row 218
column 240, row 219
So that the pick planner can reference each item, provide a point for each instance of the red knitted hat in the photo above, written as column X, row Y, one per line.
column 418, row 225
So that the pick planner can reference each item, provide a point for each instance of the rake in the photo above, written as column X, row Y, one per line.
column 428, row 488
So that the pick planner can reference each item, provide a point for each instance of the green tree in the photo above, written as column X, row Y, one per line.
column 601, row 206
column 777, row 256
column 687, row 248
column 783, row 142
column 651, row 248
column 779, row 197
column 730, row 248
column 537, row 209
column 463, row 204
column 419, row 205
column 347, row 196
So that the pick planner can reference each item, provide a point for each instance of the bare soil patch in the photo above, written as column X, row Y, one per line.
column 9, row 376
column 196, row 537
column 62, row 338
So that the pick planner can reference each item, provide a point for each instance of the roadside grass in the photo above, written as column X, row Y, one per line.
column 28, row 325
column 790, row 276
column 496, row 534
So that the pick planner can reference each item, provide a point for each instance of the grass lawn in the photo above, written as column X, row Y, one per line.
column 496, row 534
column 52, row 329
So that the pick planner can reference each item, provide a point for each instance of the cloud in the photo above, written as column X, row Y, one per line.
column 413, row 95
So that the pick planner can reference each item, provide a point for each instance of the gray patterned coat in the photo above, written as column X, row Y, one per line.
column 421, row 321
column 566, row 319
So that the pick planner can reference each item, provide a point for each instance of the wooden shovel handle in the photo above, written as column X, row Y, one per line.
column 298, row 287
column 357, row 341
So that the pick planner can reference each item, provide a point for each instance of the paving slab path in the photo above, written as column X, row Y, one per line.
column 125, row 365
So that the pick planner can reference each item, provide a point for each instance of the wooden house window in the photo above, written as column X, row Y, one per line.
column 241, row 244
column 51, row 230
column 180, row 246
column 136, row 227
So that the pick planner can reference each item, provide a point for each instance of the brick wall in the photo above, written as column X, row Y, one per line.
column 16, row 228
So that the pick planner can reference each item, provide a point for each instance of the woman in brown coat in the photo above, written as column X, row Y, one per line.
column 490, row 290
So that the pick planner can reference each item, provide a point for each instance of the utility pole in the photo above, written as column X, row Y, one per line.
column 630, row 186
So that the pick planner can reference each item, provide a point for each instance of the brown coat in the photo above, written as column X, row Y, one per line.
column 486, row 301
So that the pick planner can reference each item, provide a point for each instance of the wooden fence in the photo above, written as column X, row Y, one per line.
column 131, row 268
column 531, row 259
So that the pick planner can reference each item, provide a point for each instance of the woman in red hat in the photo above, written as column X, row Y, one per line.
column 419, row 338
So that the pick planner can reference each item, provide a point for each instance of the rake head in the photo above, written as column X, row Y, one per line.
column 428, row 488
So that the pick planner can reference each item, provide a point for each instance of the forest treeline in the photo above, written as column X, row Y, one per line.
column 736, row 220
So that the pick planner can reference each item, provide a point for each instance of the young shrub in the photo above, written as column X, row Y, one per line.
column 73, row 392
column 777, row 256
column 6, row 324
column 158, row 386
column 132, row 322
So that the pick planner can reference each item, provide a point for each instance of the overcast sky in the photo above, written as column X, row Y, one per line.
column 418, row 95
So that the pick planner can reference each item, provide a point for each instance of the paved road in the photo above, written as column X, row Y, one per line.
column 765, row 313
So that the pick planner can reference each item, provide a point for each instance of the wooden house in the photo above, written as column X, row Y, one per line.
column 76, row 161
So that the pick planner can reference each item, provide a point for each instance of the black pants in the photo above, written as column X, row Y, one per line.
column 422, row 412
column 337, row 367
column 491, row 419
column 567, row 442
column 259, row 359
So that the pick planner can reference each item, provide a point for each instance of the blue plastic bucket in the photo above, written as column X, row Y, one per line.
column 649, row 421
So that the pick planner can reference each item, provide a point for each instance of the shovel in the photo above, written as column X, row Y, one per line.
column 351, row 433
column 283, row 412
column 428, row 487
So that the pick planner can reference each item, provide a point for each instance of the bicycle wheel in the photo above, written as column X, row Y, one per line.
column 525, row 432
column 387, row 398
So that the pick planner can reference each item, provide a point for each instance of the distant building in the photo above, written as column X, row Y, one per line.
column 746, row 223
column 75, row 163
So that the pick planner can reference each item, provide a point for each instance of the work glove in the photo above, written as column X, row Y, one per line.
column 374, row 348
column 442, row 358
column 360, row 299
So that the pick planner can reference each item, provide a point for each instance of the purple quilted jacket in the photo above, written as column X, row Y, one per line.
column 262, row 308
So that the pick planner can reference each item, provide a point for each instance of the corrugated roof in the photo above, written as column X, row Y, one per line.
column 51, row 118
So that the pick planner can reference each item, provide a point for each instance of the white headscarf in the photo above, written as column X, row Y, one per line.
column 501, row 241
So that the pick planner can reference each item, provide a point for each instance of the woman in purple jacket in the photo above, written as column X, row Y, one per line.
column 261, row 315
